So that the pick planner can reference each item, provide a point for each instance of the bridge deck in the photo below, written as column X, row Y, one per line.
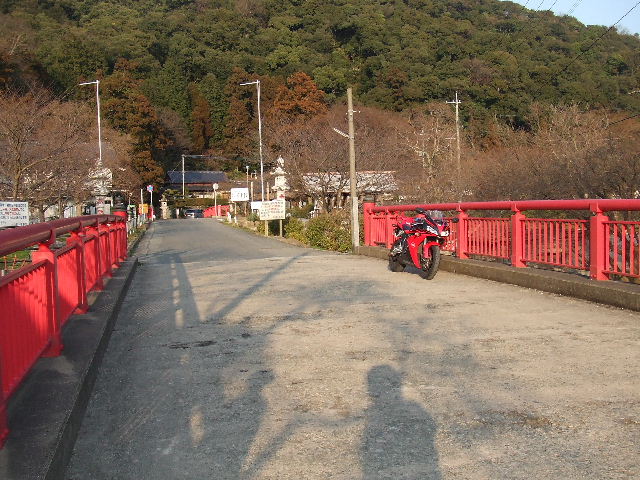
column 238, row 357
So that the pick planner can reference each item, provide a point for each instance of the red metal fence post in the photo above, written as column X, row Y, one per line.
column 114, row 244
column 517, row 239
column 96, row 254
column 123, row 240
column 4, row 425
column 599, row 245
column 366, row 208
column 388, row 229
column 81, row 272
column 108, row 261
column 461, row 243
column 45, row 254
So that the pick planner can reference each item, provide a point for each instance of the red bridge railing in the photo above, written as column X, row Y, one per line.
column 37, row 299
column 601, row 246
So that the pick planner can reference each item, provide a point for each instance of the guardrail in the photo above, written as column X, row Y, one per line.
column 38, row 299
column 601, row 246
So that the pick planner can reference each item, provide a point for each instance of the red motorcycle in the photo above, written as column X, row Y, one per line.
column 418, row 241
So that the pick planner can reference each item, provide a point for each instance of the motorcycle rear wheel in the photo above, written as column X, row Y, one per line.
column 430, row 264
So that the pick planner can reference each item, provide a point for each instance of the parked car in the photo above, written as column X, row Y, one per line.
column 194, row 213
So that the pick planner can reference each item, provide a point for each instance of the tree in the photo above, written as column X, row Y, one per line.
column 317, row 159
column 200, row 120
column 430, row 173
column 300, row 97
column 40, row 148
column 129, row 111
column 570, row 154
column 241, row 129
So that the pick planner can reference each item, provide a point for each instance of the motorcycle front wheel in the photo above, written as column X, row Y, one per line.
column 431, row 263
column 394, row 263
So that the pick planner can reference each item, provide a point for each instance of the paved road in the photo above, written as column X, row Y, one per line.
column 239, row 357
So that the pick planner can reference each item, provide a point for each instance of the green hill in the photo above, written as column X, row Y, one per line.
column 394, row 53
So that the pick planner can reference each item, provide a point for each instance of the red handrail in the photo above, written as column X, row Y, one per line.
column 566, row 243
column 592, row 205
column 38, row 299
column 14, row 239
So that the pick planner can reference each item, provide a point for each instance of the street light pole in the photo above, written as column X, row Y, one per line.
column 97, row 84
column 257, row 84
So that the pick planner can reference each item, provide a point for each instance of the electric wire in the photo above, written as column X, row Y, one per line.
column 624, row 119
column 599, row 38
column 574, row 6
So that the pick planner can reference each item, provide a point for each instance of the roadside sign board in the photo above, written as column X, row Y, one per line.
column 14, row 214
column 273, row 210
column 255, row 205
column 239, row 194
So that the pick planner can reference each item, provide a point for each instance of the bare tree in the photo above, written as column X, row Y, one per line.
column 317, row 157
column 430, row 173
column 39, row 135
column 570, row 154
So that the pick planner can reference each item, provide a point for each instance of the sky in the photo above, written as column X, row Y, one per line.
column 592, row 12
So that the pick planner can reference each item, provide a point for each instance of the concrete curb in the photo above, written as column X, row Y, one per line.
column 46, row 413
column 609, row 293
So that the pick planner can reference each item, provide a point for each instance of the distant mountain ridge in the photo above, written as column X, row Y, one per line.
column 500, row 56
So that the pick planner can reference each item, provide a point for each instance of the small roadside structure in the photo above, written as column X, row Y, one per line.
column 197, row 183
column 333, row 188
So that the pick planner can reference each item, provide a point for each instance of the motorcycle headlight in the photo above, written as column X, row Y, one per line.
column 430, row 229
column 445, row 233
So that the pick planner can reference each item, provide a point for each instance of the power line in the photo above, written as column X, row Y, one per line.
column 574, row 6
column 624, row 119
column 599, row 38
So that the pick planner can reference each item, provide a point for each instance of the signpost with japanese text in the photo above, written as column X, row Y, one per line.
column 239, row 194
column 14, row 214
column 273, row 210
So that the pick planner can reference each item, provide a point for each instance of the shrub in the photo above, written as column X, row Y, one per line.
column 301, row 212
column 295, row 229
column 330, row 231
column 274, row 227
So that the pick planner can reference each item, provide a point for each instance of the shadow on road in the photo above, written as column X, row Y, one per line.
column 399, row 436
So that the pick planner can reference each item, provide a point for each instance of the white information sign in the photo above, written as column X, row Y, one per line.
column 239, row 194
column 14, row 214
column 273, row 210
column 255, row 205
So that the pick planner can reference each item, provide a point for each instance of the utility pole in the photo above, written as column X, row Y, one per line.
column 355, row 225
column 182, row 175
column 457, row 102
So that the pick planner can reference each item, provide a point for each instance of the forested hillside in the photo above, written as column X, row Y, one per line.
column 171, row 68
